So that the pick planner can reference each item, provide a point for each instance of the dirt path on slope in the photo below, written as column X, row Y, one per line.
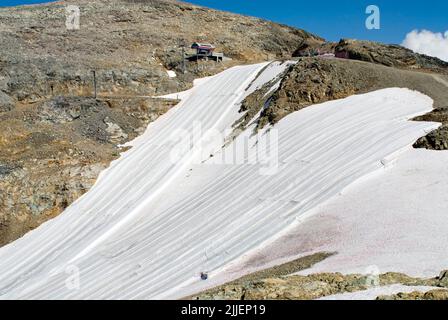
column 440, row 79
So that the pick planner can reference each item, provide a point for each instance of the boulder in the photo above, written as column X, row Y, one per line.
column 443, row 278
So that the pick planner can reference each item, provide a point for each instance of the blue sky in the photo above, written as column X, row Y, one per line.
column 345, row 18
column 337, row 18
column 17, row 2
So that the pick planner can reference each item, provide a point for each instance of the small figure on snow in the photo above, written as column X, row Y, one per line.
column 204, row 276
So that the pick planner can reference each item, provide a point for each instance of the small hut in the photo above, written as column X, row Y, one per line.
column 206, row 51
column 203, row 49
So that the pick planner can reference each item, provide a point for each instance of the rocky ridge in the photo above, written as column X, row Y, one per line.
column 436, row 294
column 389, row 55
column 130, row 44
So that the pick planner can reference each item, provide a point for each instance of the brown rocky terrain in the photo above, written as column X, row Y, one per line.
column 437, row 294
column 389, row 55
column 385, row 54
column 129, row 43
column 55, row 138
column 53, row 151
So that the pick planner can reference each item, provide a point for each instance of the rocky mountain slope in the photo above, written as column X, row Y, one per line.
column 55, row 138
column 390, row 55
column 129, row 43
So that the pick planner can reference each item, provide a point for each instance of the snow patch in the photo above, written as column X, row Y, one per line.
column 171, row 73
column 150, row 225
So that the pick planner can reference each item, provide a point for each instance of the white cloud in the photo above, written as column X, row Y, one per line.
column 427, row 42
